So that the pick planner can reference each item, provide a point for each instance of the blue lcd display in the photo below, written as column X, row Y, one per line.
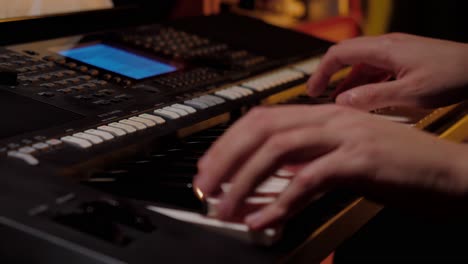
column 118, row 61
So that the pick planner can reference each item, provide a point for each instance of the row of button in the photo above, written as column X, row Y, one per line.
column 204, row 101
column 90, row 137
column 233, row 93
column 26, row 153
column 273, row 79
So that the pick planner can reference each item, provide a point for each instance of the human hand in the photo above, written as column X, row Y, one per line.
column 427, row 72
column 340, row 147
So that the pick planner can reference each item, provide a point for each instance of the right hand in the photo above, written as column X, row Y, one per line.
column 427, row 72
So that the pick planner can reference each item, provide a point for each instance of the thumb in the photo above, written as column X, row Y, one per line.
column 373, row 96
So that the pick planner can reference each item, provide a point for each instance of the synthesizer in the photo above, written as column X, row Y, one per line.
column 100, row 126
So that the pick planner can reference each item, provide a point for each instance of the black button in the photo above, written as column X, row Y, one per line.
column 147, row 88
column 49, row 58
column 46, row 94
column 102, row 102
column 71, row 65
column 31, row 52
column 26, row 141
column 99, row 95
column 93, row 72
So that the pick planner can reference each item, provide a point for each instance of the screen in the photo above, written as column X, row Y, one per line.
column 118, row 61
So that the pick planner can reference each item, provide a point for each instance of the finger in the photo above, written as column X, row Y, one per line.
column 310, row 182
column 374, row 96
column 238, row 143
column 291, row 146
column 362, row 74
column 367, row 50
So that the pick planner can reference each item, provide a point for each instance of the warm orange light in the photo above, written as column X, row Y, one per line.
column 343, row 7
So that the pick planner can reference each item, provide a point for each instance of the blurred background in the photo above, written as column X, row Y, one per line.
column 334, row 20
column 340, row 19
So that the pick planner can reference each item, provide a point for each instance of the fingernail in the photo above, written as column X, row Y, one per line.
column 253, row 220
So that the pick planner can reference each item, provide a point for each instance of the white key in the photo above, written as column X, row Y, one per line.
column 126, row 128
column 237, row 94
column 102, row 134
column 137, row 125
column 113, row 130
column 226, row 94
column 53, row 142
column 206, row 101
column 91, row 138
column 196, row 104
column 40, row 146
column 208, row 104
column 273, row 185
column 77, row 142
column 166, row 114
column 187, row 108
column 245, row 92
column 309, row 66
column 29, row 159
column 176, row 110
column 156, row 119
column 27, row 150
column 215, row 99
column 147, row 122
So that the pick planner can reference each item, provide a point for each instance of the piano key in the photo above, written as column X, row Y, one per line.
column 137, row 125
column 186, row 108
column 126, row 128
column 205, row 101
column 244, row 91
column 40, row 146
column 91, row 138
column 196, row 104
column 215, row 99
column 78, row 142
column 158, row 120
column 236, row 93
column 102, row 134
column 147, row 122
column 309, row 66
column 176, row 110
column 53, row 142
column 113, row 130
column 226, row 94
column 166, row 114
column 28, row 158
column 27, row 150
